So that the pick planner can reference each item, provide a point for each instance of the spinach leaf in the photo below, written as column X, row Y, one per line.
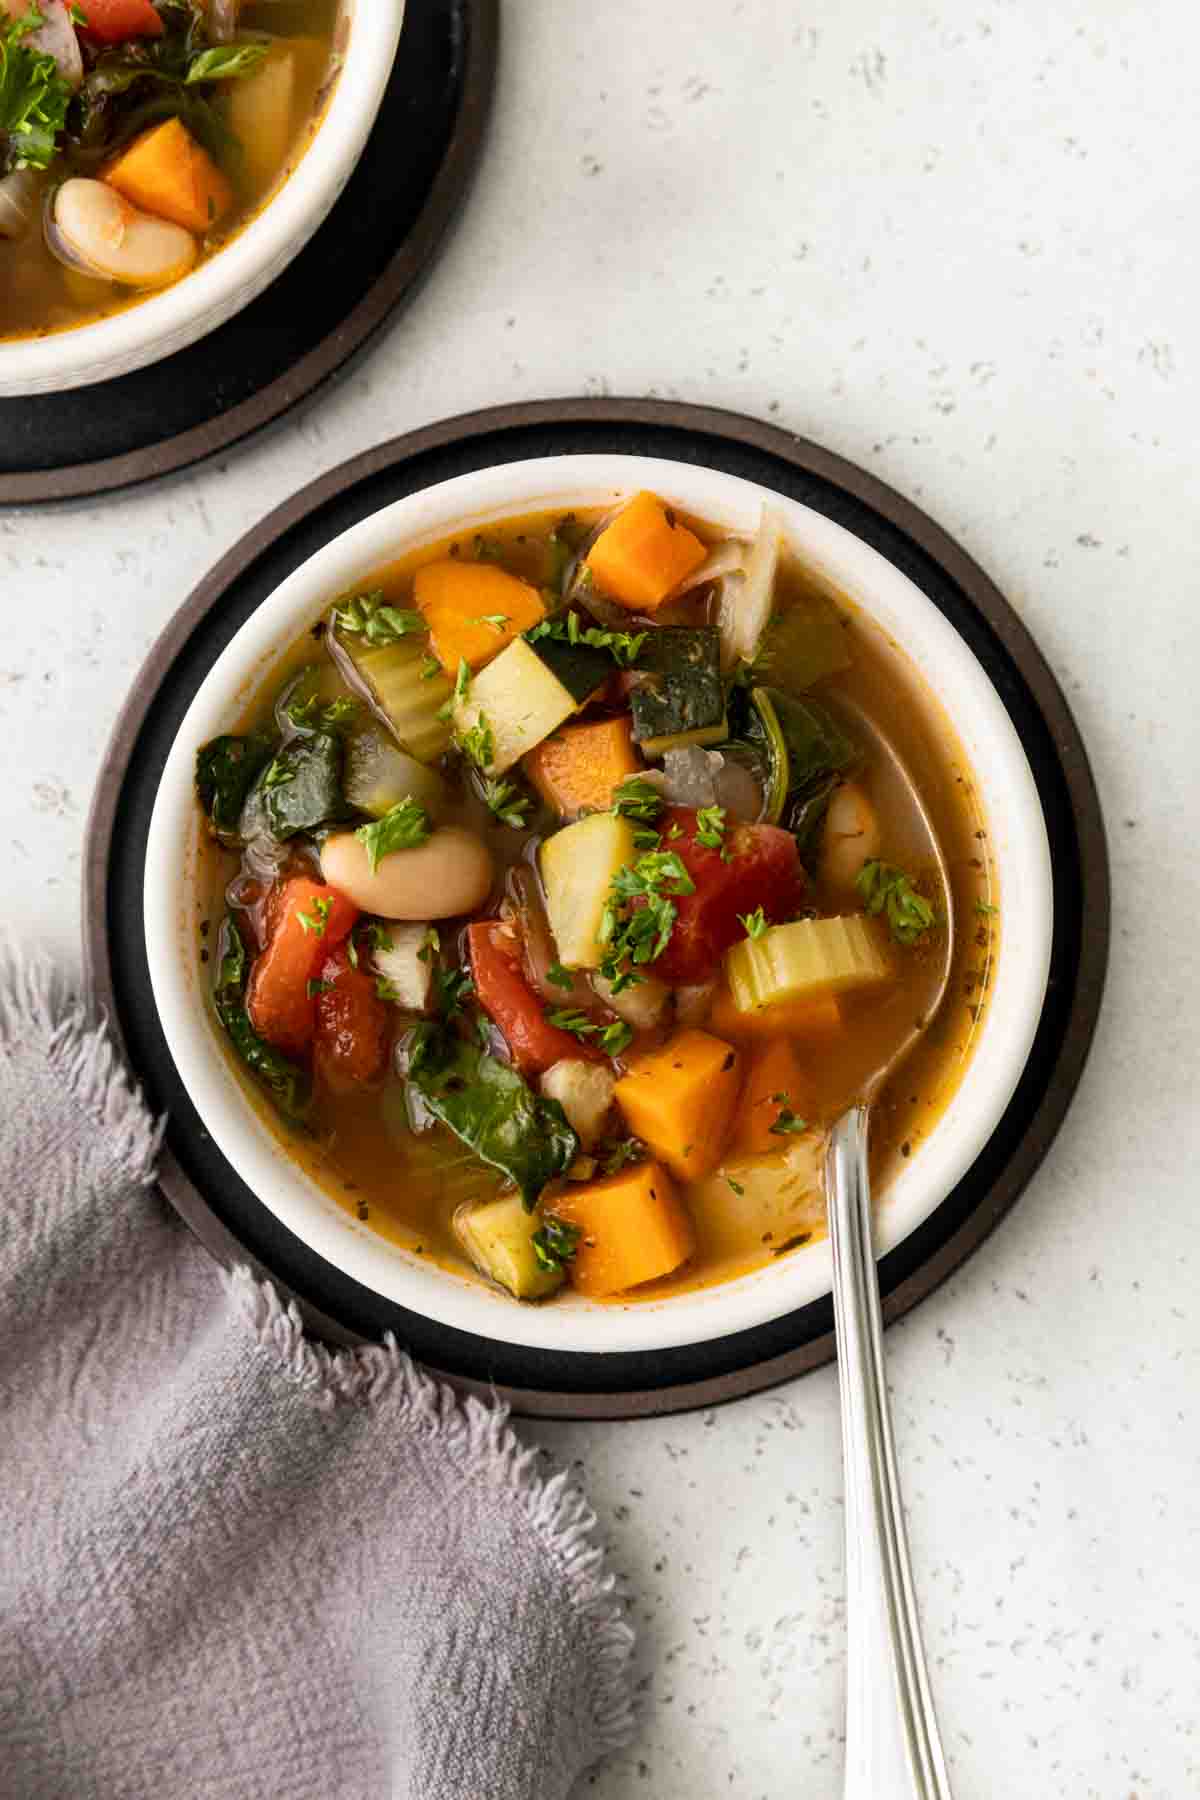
column 804, row 753
column 287, row 1085
column 488, row 1106
column 226, row 769
column 301, row 788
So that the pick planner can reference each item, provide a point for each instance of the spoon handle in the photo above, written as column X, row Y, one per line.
column 893, row 1750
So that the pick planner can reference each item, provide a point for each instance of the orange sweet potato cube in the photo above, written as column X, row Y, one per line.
column 643, row 554
column 633, row 1228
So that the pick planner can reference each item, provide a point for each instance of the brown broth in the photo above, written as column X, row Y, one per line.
column 408, row 1186
column 40, row 297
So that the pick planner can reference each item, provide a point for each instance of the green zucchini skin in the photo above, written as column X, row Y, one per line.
column 579, row 667
column 682, row 693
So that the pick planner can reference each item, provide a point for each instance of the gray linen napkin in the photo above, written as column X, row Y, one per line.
column 230, row 1562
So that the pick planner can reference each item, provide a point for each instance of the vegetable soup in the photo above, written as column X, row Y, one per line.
column 138, row 136
column 557, row 899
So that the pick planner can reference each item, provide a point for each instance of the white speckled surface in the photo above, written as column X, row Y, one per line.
column 958, row 246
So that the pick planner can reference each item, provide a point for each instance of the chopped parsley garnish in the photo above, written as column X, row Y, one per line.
column 430, row 666
column 454, row 988
column 316, row 920
column 639, row 914
column 508, row 803
column 369, row 616
column 787, row 1124
column 885, row 888
column 735, row 1185
column 34, row 97
column 462, row 681
column 313, row 988
column 626, row 1150
column 277, row 775
column 561, row 977
column 312, row 715
column 572, row 1020
column 555, row 1243
column 478, row 745
column 646, row 838
column 387, row 990
column 497, row 621
column 378, row 937
column 623, row 646
column 616, row 1037
column 710, row 827
column 986, row 908
column 755, row 923
column 431, row 946
column 403, row 828
column 638, row 800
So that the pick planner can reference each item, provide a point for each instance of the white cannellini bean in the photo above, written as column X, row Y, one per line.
column 850, row 837
column 450, row 873
column 113, row 239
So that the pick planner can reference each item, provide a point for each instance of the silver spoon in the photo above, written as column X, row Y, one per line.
column 893, row 1748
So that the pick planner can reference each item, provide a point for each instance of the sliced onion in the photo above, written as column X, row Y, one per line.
column 745, row 608
column 55, row 36
column 20, row 194
column 222, row 20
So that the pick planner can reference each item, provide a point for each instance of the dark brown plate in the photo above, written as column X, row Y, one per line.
column 236, row 1226
column 367, row 258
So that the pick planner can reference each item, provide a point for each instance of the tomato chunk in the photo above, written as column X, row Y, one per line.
column 111, row 21
column 514, row 1007
column 763, row 869
column 353, row 1026
column 307, row 920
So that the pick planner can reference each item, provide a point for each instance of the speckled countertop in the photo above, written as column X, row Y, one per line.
column 956, row 244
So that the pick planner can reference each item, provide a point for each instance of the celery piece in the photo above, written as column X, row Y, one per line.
column 805, row 960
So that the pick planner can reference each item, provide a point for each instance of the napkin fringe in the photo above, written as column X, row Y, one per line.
column 485, row 1445
column 37, row 1002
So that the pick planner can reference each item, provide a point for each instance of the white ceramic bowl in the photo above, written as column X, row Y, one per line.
column 1007, row 792
column 222, row 286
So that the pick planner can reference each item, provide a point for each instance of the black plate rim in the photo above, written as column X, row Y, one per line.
column 1082, row 1005
column 397, row 283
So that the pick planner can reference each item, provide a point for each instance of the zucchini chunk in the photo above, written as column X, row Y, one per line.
column 577, row 866
column 497, row 1235
column 804, row 960
column 581, row 668
column 408, row 694
column 514, row 703
column 378, row 776
column 681, row 699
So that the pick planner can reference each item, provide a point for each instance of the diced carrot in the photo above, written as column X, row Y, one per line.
column 473, row 609
column 353, row 1026
column 167, row 173
column 307, row 920
column 814, row 1020
column 643, row 554
column 776, row 1085
column 111, row 21
column 513, row 1006
column 680, row 1100
column 577, row 769
column 633, row 1228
